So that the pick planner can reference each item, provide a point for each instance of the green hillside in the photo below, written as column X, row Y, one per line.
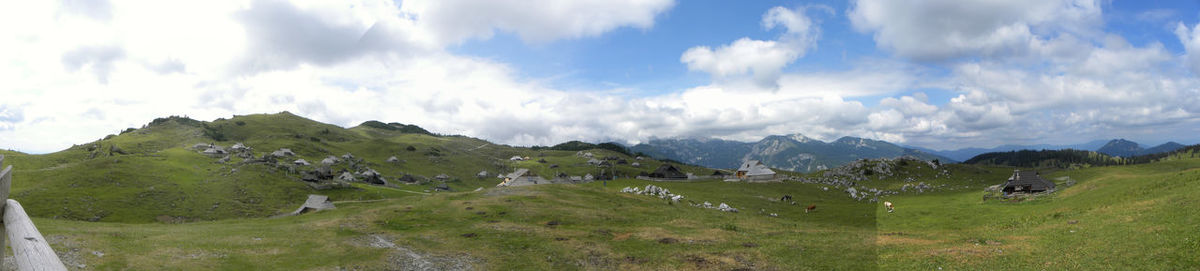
column 153, row 203
column 153, row 173
column 1137, row 217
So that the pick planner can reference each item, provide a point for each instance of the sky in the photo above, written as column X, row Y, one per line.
column 940, row 74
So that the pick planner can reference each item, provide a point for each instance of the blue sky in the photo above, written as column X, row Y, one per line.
column 940, row 74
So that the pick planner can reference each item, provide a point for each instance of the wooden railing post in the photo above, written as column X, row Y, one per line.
column 5, row 182
column 30, row 249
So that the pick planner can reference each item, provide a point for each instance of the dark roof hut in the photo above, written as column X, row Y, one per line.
column 668, row 171
column 1027, row 182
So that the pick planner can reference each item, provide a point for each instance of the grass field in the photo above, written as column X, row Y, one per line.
column 162, row 206
column 1120, row 218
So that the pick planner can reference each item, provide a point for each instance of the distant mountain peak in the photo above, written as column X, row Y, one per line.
column 794, row 152
column 1121, row 147
column 798, row 137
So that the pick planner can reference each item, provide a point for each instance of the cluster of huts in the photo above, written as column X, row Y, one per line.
column 318, row 175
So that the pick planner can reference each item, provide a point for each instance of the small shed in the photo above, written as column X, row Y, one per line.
column 521, row 176
column 1027, row 182
column 214, row 151
column 314, row 203
column 759, row 172
column 668, row 171
column 239, row 147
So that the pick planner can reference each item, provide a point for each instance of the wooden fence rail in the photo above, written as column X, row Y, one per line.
column 30, row 250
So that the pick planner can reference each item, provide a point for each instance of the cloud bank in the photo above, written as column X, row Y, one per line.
column 1012, row 73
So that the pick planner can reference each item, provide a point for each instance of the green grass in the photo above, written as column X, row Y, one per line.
column 163, row 206
column 160, row 178
column 1128, row 217
column 596, row 228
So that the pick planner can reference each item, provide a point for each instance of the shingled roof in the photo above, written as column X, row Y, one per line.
column 1027, row 181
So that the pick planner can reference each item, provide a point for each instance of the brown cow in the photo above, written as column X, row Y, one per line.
column 810, row 208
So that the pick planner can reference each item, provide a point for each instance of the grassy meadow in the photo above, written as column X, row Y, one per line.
column 143, row 200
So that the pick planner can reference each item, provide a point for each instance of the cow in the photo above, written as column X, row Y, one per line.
column 786, row 198
column 888, row 204
column 810, row 208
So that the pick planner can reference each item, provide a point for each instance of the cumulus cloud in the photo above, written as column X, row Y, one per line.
column 10, row 116
column 1190, row 37
column 1009, row 72
column 453, row 21
column 763, row 59
column 281, row 35
column 98, row 59
column 949, row 29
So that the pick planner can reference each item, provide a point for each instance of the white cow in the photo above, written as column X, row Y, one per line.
column 888, row 204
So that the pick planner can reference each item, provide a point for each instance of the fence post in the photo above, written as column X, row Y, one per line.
column 5, row 181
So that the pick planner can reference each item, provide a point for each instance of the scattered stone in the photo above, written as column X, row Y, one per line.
column 725, row 208
column 283, row 152
column 347, row 177
column 470, row 235
column 393, row 159
column 668, row 240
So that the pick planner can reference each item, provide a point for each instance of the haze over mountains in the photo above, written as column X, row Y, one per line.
column 1115, row 147
column 799, row 153
column 794, row 152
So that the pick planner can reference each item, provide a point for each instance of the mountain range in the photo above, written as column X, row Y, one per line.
column 1115, row 147
column 794, row 152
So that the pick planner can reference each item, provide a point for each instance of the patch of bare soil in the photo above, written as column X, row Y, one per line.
column 403, row 258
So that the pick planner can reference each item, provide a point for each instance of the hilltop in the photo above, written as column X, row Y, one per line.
column 112, row 179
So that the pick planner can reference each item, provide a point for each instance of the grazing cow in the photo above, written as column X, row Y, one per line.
column 888, row 204
column 786, row 198
column 810, row 208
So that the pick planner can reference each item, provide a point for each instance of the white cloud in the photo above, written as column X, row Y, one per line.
column 763, row 59
column 1019, row 74
column 453, row 21
column 948, row 29
column 1190, row 37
